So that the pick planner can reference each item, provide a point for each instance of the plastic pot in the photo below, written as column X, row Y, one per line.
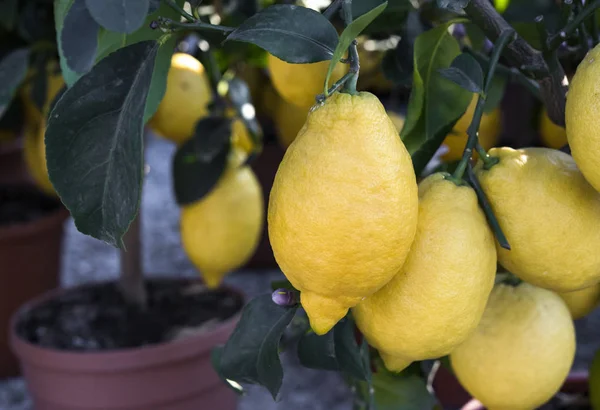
column 30, row 255
column 176, row 375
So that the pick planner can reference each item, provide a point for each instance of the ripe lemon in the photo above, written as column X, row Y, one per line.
column 289, row 120
column 582, row 302
column 299, row 84
column 436, row 300
column 220, row 232
column 343, row 207
column 521, row 352
column 581, row 117
column 186, row 99
column 489, row 130
column 548, row 212
column 54, row 83
column 34, row 153
column 553, row 136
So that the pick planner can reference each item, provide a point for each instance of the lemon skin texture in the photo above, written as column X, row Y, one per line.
column 299, row 84
column 221, row 231
column 549, row 214
column 521, row 352
column 581, row 117
column 582, row 302
column 186, row 99
column 437, row 299
column 343, row 208
column 489, row 130
column 552, row 135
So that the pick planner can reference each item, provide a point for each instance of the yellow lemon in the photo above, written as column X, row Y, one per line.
column 289, row 120
column 299, row 84
column 220, row 232
column 186, row 99
column 549, row 213
column 521, row 352
column 553, row 136
column 581, row 117
column 54, row 83
column 582, row 302
column 343, row 207
column 489, row 130
column 436, row 300
column 34, row 153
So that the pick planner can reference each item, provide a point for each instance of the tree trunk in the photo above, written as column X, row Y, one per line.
column 131, row 281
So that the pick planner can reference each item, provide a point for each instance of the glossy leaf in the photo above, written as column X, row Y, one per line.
column 199, row 162
column 401, row 391
column 122, row 16
column 61, row 7
column 466, row 72
column 94, row 142
column 435, row 104
column 215, row 360
column 13, row 69
column 8, row 14
column 251, row 354
column 453, row 5
column 292, row 33
column 349, row 34
column 79, row 38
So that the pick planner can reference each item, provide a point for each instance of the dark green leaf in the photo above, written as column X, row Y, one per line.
column 466, row 72
column 387, row 23
column 13, row 69
column 495, row 93
column 153, row 5
column 292, row 33
column 8, row 14
column 398, row 64
column 251, row 354
column 61, row 7
column 347, row 351
column 94, row 142
column 199, row 162
column 349, row 34
column 456, row 6
column 435, row 104
column 401, row 391
column 318, row 352
column 122, row 16
column 360, row 7
column 215, row 360
column 79, row 38
column 239, row 94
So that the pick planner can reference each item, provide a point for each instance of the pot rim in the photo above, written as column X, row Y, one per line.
column 118, row 360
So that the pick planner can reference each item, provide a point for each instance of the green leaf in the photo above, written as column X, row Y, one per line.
column 251, row 354
column 79, row 38
column 119, row 15
column 403, row 391
column 291, row 33
column 475, row 35
column 61, row 7
column 455, row 6
column 8, row 14
column 435, row 104
column 360, row 7
column 215, row 360
column 495, row 93
column 94, row 142
column 349, row 34
column 466, row 72
column 13, row 69
column 199, row 162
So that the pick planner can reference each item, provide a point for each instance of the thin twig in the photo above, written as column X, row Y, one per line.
column 180, row 10
column 555, row 40
column 196, row 26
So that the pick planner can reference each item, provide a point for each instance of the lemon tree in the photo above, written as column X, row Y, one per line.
column 393, row 257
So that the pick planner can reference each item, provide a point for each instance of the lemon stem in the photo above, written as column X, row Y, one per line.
column 555, row 40
column 505, row 38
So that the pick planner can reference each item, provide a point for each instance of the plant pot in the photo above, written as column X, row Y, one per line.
column 174, row 375
column 12, row 165
column 30, row 255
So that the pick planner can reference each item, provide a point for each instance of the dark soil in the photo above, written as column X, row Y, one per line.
column 98, row 318
column 21, row 204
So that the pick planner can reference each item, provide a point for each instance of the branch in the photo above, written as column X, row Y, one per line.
column 131, row 282
column 548, row 74
column 555, row 40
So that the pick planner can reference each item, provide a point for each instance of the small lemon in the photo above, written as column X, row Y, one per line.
column 552, row 135
column 489, row 130
column 220, row 232
column 289, row 120
column 582, row 302
column 299, row 84
column 34, row 153
column 521, row 352
column 186, row 99
column 343, row 207
column 436, row 300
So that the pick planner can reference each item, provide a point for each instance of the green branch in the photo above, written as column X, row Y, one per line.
column 195, row 26
column 350, row 85
column 180, row 10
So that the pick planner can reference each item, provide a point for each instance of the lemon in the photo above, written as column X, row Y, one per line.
column 186, row 99
column 220, row 232
column 436, row 300
column 582, row 302
column 289, row 120
column 299, row 84
column 548, row 213
column 552, row 135
column 54, row 83
column 489, row 130
column 581, row 117
column 343, row 207
column 34, row 153
column 521, row 352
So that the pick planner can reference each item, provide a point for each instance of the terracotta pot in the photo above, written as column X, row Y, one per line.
column 30, row 255
column 177, row 375
column 12, row 165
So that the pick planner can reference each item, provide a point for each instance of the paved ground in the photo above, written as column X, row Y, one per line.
column 86, row 259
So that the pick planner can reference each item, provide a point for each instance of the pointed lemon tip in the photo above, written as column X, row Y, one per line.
column 394, row 363
column 323, row 313
column 212, row 280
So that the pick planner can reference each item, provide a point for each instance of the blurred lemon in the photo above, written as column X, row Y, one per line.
column 553, row 136
column 581, row 302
